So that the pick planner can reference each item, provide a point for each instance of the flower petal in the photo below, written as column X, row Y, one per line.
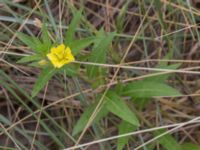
column 60, row 56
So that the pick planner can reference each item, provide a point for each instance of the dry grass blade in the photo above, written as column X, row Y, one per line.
column 174, row 126
column 134, row 82
column 184, row 70
column 96, row 110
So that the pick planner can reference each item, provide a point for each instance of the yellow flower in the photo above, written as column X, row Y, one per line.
column 60, row 56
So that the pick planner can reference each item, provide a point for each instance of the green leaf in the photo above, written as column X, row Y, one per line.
column 121, row 18
column 43, row 78
column 38, row 44
column 190, row 146
column 147, row 89
column 150, row 146
column 164, row 77
column 140, row 103
column 30, row 58
column 167, row 141
column 98, row 55
column 158, row 8
column 31, row 41
column 118, row 107
column 78, row 45
column 70, row 70
column 28, row 40
column 80, row 125
column 46, row 39
column 124, row 127
column 72, row 28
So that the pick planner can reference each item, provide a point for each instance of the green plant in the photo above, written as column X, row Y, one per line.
column 122, row 102
column 42, row 49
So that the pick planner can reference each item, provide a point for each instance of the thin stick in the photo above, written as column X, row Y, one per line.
column 39, row 117
column 8, row 134
column 138, row 68
column 196, row 120
column 97, row 108
column 167, row 132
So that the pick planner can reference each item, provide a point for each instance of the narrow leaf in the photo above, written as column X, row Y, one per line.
column 118, row 107
column 86, row 115
column 70, row 70
column 39, row 45
column 164, row 77
column 98, row 55
column 30, row 58
column 121, row 18
column 43, row 78
column 27, row 40
column 190, row 146
column 167, row 141
column 78, row 45
column 72, row 27
column 31, row 41
column 124, row 127
column 147, row 89
column 45, row 38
